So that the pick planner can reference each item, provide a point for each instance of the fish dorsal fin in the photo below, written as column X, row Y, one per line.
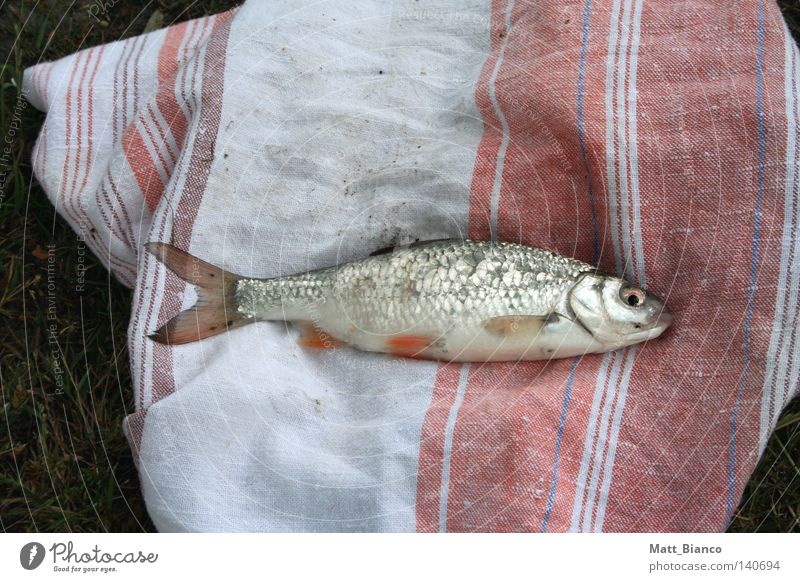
column 419, row 243
column 514, row 325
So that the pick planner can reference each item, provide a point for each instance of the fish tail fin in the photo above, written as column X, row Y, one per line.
column 215, row 310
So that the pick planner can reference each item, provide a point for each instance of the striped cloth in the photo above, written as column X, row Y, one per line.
column 658, row 139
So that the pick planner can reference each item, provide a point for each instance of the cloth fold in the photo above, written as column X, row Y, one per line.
column 660, row 144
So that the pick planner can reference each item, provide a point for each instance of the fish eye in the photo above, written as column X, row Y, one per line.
column 632, row 296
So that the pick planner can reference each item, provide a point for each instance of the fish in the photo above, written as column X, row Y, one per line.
column 449, row 300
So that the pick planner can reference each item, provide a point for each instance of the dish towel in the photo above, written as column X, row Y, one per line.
column 658, row 140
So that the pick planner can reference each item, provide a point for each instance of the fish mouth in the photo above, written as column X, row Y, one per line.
column 664, row 320
column 660, row 325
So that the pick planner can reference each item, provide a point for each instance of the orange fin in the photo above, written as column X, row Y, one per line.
column 215, row 310
column 409, row 346
column 511, row 325
column 314, row 337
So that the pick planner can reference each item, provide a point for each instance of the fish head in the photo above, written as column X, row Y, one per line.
column 617, row 313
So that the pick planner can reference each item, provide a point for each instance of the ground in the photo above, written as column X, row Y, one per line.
column 64, row 463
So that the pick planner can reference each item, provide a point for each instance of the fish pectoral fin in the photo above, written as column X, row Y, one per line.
column 312, row 336
column 514, row 325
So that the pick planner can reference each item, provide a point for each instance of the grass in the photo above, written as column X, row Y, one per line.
column 64, row 463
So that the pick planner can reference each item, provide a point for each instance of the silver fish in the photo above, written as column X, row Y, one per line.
column 451, row 300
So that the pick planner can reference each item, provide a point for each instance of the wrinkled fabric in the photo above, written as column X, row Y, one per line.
column 656, row 140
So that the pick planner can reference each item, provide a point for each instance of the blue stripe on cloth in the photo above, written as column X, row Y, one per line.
column 754, row 260
column 581, row 132
column 559, row 435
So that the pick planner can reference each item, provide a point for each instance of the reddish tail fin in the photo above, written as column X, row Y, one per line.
column 215, row 310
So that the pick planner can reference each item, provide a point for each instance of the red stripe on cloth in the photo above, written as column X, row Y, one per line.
column 147, row 177
column 211, row 93
column 127, row 227
column 70, row 194
column 168, row 54
column 118, row 112
column 142, row 316
column 431, row 450
column 110, row 217
column 211, row 98
column 544, row 200
column 62, row 189
column 163, row 380
column 166, row 101
column 432, row 447
column 38, row 88
column 118, row 116
column 113, row 224
column 47, row 83
column 139, row 158
column 572, row 442
column 504, row 442
column 43, row 175
column 145, row 302
column 499, row 476
column 125, row 270
column 143, row 166
column 90, row 121
column 698, row 161
column 156, row 141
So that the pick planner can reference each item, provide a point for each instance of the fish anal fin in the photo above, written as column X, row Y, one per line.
column 409, row 346
column 515, row 325
column 313, row 337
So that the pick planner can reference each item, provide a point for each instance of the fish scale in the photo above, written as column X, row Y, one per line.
column 436, row 281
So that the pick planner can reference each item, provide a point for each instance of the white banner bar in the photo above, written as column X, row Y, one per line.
column 375, row 557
